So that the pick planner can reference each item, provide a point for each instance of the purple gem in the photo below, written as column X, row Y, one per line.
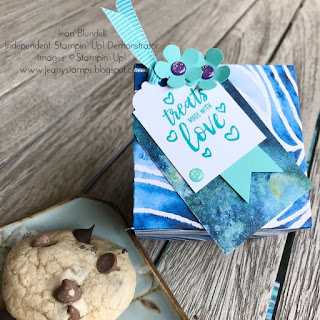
column 178, row 68
column 207, row 72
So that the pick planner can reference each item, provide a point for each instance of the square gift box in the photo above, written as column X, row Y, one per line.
column 272, row 92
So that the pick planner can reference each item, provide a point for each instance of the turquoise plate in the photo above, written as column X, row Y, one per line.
column 152, row 300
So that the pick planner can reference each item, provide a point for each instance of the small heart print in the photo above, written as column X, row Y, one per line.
column 172, row 137
column 233, row 135
column 222, row 108
column 169, row 99
column 207, row 153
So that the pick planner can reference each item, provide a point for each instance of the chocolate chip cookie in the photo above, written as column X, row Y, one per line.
column 67, row 275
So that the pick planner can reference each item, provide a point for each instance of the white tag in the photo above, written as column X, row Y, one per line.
column 202, row 133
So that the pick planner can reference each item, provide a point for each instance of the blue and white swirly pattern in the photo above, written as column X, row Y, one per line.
column 272, row 92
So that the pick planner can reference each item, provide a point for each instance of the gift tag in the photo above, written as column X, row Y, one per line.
column 202, row 132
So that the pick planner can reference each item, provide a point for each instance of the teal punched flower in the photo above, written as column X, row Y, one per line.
column 178, row 69
column 211, row 71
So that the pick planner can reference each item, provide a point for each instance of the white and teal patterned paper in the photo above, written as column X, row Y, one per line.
column 272, row 92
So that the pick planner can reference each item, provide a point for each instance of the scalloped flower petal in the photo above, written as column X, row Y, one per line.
column 207, row 84
column 193, row 75
column 202, row 61
column 222, row 73
column 162, row 69
column 176, row 81
column 172, row 53
column 214, row 56
column 190, row 57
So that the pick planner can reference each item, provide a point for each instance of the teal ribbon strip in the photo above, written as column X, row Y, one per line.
column 238, row 175
column 127, row 24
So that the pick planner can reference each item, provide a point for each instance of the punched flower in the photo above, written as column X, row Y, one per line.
column 211, row 71
column 178, row 68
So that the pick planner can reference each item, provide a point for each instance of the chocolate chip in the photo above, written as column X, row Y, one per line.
column 68, row 292
column 42, row 241
column 124, row 251
column 107, row 263
column 73, row 313
column 5, row 315
column 83, row 235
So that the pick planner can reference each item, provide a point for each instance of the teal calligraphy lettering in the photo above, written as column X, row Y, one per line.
column 197, row 97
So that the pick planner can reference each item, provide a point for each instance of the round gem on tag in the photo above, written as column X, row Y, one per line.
column 196, row 175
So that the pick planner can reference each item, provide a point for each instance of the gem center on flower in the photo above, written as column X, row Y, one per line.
column 207, row 72
column 178, row 68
